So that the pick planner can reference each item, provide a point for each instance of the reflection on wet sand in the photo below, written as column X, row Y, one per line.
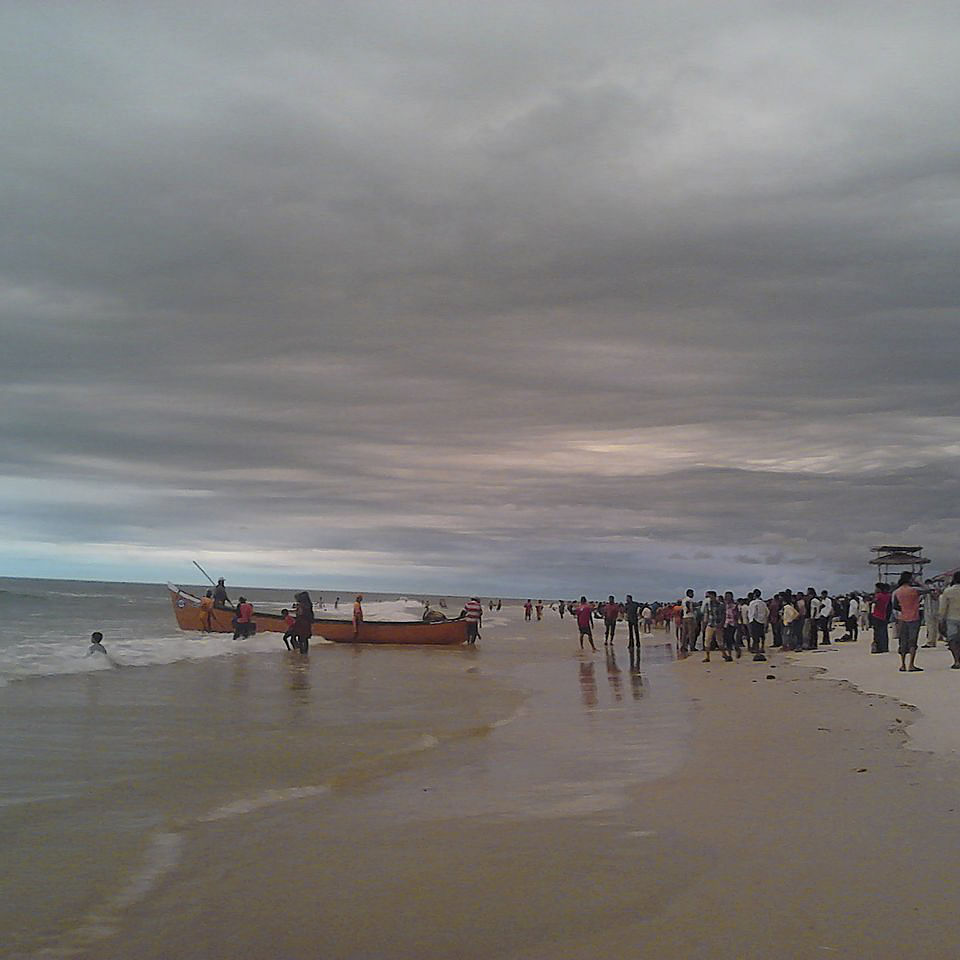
column 588, row 685
column 613, row 675
column 636, row 679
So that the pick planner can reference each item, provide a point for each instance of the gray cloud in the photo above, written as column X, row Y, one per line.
column 527, row 298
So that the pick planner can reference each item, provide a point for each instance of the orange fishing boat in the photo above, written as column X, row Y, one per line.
column 186, row 608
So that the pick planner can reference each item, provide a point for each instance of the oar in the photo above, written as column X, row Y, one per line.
column 204, row 572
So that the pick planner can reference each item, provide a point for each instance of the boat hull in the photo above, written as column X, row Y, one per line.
column 186, row 608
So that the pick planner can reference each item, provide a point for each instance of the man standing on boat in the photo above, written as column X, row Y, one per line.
column 220, row 598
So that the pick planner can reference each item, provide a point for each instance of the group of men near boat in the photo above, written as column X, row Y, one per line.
column 796, row 621
column 299, row 622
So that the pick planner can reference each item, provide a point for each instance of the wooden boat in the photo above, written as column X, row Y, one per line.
column 186, row 608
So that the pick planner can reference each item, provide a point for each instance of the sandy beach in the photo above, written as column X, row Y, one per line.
column 787, row 819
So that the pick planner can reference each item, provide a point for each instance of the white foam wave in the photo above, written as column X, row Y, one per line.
column 162, row 856
column 268, row 798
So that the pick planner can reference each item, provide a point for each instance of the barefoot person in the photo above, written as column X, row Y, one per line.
column 585, row 621
column 611, row 611
column 906, row 599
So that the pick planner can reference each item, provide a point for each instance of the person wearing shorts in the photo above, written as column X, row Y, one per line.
column 584, row 622
column 906, row 599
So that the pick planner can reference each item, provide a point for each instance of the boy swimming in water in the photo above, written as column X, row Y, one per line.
column 96, row 646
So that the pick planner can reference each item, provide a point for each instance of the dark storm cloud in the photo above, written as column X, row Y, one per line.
column 527, row 297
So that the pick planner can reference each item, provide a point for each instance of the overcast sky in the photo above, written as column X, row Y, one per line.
column 517, row 298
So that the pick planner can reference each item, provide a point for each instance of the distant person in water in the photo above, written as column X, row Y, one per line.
column 584, row 622
column 336, row 604
column 206, row 612
column 539, row 609
column 357, row 615
column 527, row 609
column 220, row 598
column 303, row 625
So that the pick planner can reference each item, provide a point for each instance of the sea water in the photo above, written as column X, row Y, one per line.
column 168, row 778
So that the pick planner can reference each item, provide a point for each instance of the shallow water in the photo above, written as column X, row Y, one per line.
column 130, row 793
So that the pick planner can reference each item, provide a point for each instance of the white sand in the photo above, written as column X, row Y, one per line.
column 935, row 692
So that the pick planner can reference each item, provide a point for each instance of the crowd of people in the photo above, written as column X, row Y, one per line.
column 792, row 620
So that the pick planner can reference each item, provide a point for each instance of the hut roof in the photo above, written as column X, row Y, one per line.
column 895, row 549
column 899, row 557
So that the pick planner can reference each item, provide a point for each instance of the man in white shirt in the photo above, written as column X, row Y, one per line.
column 824, row 618
column 853, row 616
column 758, row 613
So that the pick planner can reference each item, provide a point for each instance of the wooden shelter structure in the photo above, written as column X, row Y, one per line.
column 898, row 558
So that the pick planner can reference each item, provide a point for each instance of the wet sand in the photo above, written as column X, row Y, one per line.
column 794, row 824
column 816, row 833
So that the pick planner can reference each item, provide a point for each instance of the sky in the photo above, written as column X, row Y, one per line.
column 515, row 298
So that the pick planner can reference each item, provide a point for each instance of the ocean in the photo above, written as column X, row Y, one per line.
column 199, row 796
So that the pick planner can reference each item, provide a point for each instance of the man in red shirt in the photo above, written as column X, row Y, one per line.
column 584, row 622
column 611, row 610
column 244, row 619
column 906, row 600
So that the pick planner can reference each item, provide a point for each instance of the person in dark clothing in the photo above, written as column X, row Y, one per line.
column 631, row 612
column 303, row 625
column 220, row 598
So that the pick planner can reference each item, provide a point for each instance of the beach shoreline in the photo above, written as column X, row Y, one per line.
column 797, row 826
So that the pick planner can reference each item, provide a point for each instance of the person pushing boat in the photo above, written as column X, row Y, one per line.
column 303, row 626
column 357, row 615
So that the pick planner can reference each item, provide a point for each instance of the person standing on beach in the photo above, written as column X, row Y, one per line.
column 950, row 618
column 713, row 614
column 824, row 618
column 631, row 613
column 931, row 614
column 611, row 610
column 561, row 607
column 688, row 623
column 774, row 606
column 853, row 616
column 647, row 620
column 906, row 599
column 527, row 609
column 758, row 613
column 473, row 611
column 880, row 612
column 731, row 621
column 539, row 609
column 790, row 619
column 585, row 622
column 357, row 615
